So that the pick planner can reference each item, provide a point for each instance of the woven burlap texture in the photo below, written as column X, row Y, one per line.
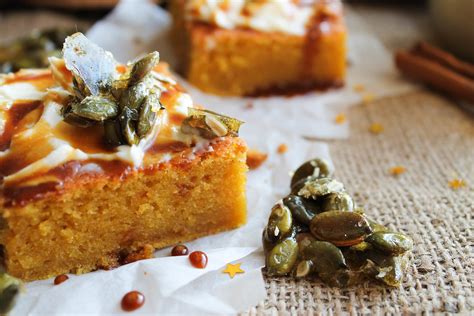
column 434, row 141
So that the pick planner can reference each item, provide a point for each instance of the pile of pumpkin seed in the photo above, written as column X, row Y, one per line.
column 9, row 291
column 317, row 230
column 127, row 104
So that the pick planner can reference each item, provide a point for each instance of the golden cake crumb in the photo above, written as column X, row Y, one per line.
column 340, row 118
column 282, row 148
column 376, row 128
column 358, row 87
column 255, row 158
column 397, row 170
column 368, row 97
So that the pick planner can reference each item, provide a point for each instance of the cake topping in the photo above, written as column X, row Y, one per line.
column 127, row 105
column 198, row 259
column 89, row 116
column 286, row 16
column 60, row 279
column 210, row 124
column 179, row 250
column 132, row 300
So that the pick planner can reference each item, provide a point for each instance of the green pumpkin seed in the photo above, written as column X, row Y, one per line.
column 295, row 188
column 325, row 256
column 134, row 96
column 73, row 119
column 328, row 261
column 316, row 187
column 317, row 167
column 362, row 246
column 209, row 124
column 304, row 240
column 143, row 67
column 127, row 125
column 148, row 114
column 338, row 201
column 377, row 227
column 282, row 257
column 9, row 290
column 304, row 268
column 302, row 210
column 390, row 243
column 280, row 222
column 113, row 133
column 388, row 269
column 340, row 227
column 95, row 108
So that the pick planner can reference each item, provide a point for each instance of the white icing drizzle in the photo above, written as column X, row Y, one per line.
column 285, row 16
column 62, row 150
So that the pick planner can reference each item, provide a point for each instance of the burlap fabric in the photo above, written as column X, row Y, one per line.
column 434, row 141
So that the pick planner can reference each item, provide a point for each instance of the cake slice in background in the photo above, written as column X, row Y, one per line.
column 257, row 47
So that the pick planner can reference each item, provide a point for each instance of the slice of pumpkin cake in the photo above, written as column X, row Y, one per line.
column 252, row 47
column 101, row 161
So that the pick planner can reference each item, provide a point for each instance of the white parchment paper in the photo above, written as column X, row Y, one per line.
column 170, row 284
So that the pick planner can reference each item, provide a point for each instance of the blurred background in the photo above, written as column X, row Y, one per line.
column 397, row 23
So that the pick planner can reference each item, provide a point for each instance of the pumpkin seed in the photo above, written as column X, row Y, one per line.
column 127, row 124
column 148, row 114
column 377, row 227
column 282, row 257
column 304, row 240
column 142, row 67
column 74, row 119
column 325, row 256
column 95, row 108
column 209, row 124
column 338, row 201
column 280, row 222
column 299, row 185
column 134, row 96
column 318, row 168
column 328, row 262
column 362, row 246
column 9, row 290
column 390, row 243
column 302, row 210
column 340, row 227
column 304, row 268
column 388, row 269
column 112, row 132
column 316, row 187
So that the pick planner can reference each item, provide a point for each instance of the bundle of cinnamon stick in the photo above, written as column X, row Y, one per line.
column 438, row 69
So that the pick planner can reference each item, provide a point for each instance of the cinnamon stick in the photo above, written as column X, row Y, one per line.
column 444, row 58
column 436, row 75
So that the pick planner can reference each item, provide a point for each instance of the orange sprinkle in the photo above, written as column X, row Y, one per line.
column 282, row 148
column 376, row 128
column 368, row 97
column 457, row 184
column 340, row 118
column 358, row 87
column 397, row 170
